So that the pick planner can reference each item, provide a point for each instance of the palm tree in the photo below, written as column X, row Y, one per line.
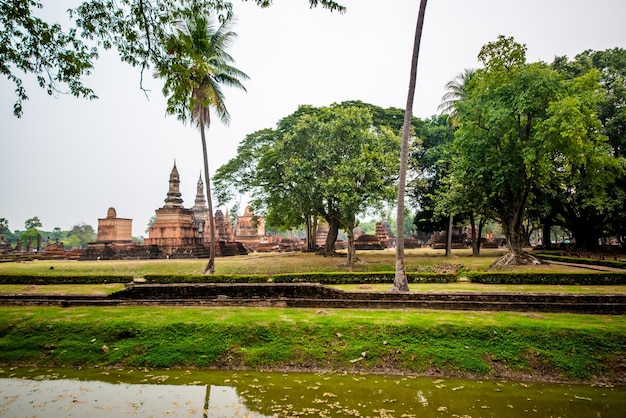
column 456, row 91
column 400, row 283
column 197, row 68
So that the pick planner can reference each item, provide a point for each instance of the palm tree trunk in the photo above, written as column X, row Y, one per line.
column 210, row 267
column 400, row 283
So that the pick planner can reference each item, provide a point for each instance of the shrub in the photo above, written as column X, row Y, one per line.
column 205, row 278
column 361, row 277
column 548, row 278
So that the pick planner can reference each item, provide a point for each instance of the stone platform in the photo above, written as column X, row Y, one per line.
column 320, row 297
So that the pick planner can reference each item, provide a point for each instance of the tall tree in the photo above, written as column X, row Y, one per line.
column 400, row 283
column 595, row 205
column 193, row 84
column 33, row 223
column 459, row 200
column 430, row 160
column 517, row 120
column 32, row 233
column 332, row 162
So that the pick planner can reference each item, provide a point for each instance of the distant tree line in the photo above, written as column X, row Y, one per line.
column 77, row 237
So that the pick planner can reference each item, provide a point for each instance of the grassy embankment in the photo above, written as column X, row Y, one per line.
column 509, row 345
column 504, row 345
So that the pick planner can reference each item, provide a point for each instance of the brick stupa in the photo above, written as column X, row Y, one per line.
column 174, row 230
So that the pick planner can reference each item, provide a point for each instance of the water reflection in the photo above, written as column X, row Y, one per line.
column 60, row 393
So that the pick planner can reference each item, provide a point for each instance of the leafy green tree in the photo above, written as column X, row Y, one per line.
column 457, row 199
column 430, row 160
column 597, row 198
column 56, row 57
column 519, row 124
column 33, row 223
column 193, row 85
column 83, row 234
column 353, row 168
column 400, row 282
column 59, row 57
column 32, row 232
column 331, row 162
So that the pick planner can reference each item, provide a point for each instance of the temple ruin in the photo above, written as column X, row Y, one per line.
column 115, row 230
column 179, row 232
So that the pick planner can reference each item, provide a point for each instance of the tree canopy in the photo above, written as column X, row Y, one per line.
column 332, row 162
column 60, row 57
column 521, row 125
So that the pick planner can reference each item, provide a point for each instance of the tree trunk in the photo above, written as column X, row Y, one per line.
column 475, row 239
column 311, row 233
column 587, row 239
column 400, row 283
column 308, row 231
column 351, row 245
column 514, row 236
column 546, row 232
column 449, row 237
column 481, row 225
column 331, row 238
column 210, row 267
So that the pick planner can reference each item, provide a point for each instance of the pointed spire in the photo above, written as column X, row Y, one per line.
column 174, row 199
column 200, row 190
column 200, row 202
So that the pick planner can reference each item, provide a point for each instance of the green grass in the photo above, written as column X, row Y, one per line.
column 423, row 260
column 483, row 288
column 56, row 289
column 569, row 346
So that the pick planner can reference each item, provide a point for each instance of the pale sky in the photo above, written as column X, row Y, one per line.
column 68, row 160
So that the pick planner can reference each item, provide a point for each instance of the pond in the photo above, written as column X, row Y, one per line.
column 192, row 393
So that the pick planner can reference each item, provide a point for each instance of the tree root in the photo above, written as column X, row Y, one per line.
column 512, row 259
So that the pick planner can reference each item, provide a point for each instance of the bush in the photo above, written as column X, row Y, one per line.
column 361, row 277
column 322, row 278
column 205, row 278
column 548, row 278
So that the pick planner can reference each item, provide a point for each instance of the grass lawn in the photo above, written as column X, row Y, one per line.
column 483, row 288
column 423, row 259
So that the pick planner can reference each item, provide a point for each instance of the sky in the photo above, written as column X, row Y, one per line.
column 67, row 160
